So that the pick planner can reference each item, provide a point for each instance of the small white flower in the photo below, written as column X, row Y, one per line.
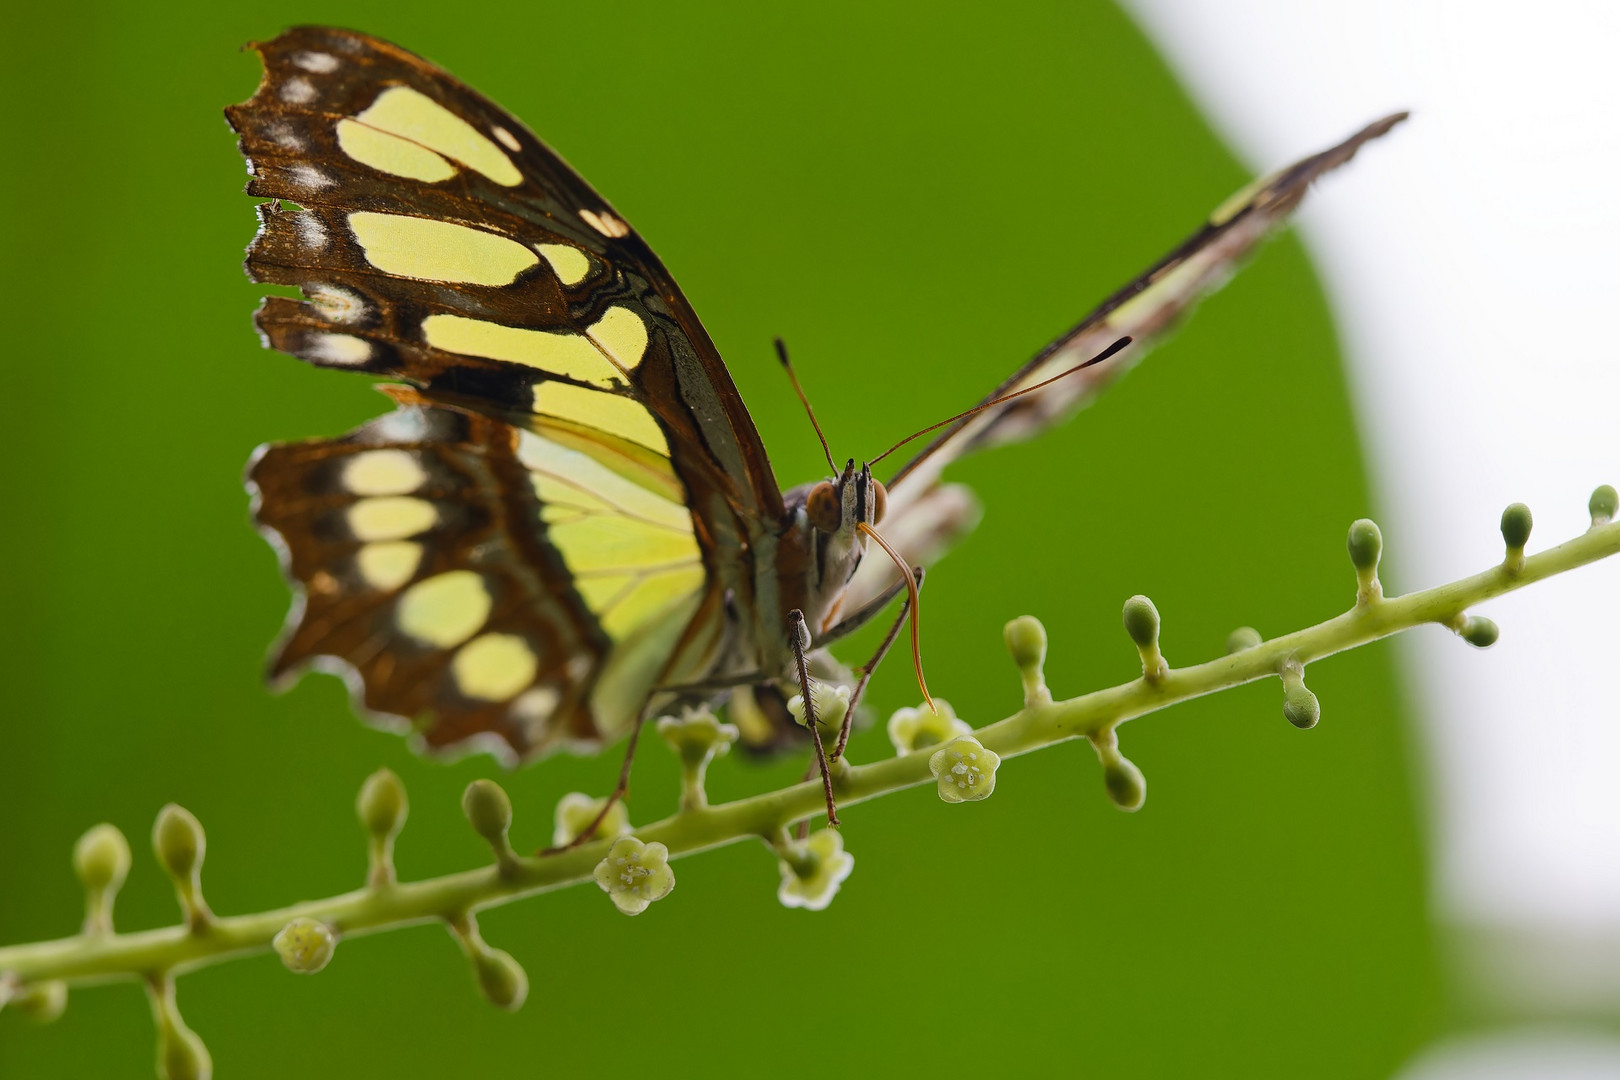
column 832, row 705
column 813, row 869
column 575, row 812
column 966, row 771
column 697, row 737
column 916, row 729
column 635, row 874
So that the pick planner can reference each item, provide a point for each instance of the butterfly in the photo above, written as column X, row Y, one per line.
column 569, row 519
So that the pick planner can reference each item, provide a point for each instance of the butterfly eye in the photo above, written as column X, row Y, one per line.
column 880, row 501
column 823, row 507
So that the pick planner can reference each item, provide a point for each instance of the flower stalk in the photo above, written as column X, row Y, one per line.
column 383, row 904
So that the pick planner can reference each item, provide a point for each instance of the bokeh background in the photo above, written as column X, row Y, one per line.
column 916, row 200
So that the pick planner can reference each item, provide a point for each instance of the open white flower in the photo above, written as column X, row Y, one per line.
column 635, row 874
column 697, row 736
column 966, row 771
column 832, row 705
column 919, row 728
column 813, row 869
column 575, row 812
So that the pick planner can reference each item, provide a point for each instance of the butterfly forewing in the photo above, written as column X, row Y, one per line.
column 927, row 514
column 599, row 483
column 438, row 241
column 1144, row 309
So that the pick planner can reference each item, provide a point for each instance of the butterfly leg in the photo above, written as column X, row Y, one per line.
column 619, row 789
column 871, row 665
column 799, row 638
column 844, row 627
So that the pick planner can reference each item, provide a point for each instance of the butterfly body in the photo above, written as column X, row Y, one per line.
column 570, row 510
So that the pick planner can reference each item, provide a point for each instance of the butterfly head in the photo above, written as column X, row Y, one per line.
column 844, row 512
column 838, row 506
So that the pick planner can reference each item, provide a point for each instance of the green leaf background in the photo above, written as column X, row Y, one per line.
column 916, row 197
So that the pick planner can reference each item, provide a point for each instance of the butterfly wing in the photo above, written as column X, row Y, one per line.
column 438, row 242
column 924, row 515
column 431, row 553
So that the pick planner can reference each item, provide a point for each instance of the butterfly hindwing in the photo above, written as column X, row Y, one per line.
column 480, row 580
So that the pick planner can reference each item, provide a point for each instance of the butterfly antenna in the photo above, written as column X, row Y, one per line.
column 915, row 599
column 993, row 402
column 793, row 377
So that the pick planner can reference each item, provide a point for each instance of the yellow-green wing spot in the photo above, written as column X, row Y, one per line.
column 494, row 667
column 391, row 154
column 433, row 250
column 411, row 115
column 622, row 417
column 444, row 610
column 388, row 564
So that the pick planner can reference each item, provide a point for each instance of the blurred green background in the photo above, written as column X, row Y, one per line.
column 916, row 198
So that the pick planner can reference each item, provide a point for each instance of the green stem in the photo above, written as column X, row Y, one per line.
column 87, row 958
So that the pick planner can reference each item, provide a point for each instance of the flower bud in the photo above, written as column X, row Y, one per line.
column 1516, row 524
column 964, row 769
column 305, row 945
column 382, row 805
column 1142, row 621
column 488, row 810
column 382, row 808
column 1479, row 632
column 43, row 1003
column 1300, row 706
column 1244, row 637
column 178, row 839
column 501, row 978
column 1603, row 504
column 1366, row 545
column 101, row 858
column 1126, row 785
column 181, row 1055
column 1026, row 640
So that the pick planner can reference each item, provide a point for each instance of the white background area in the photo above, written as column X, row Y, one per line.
column 1473, row 264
